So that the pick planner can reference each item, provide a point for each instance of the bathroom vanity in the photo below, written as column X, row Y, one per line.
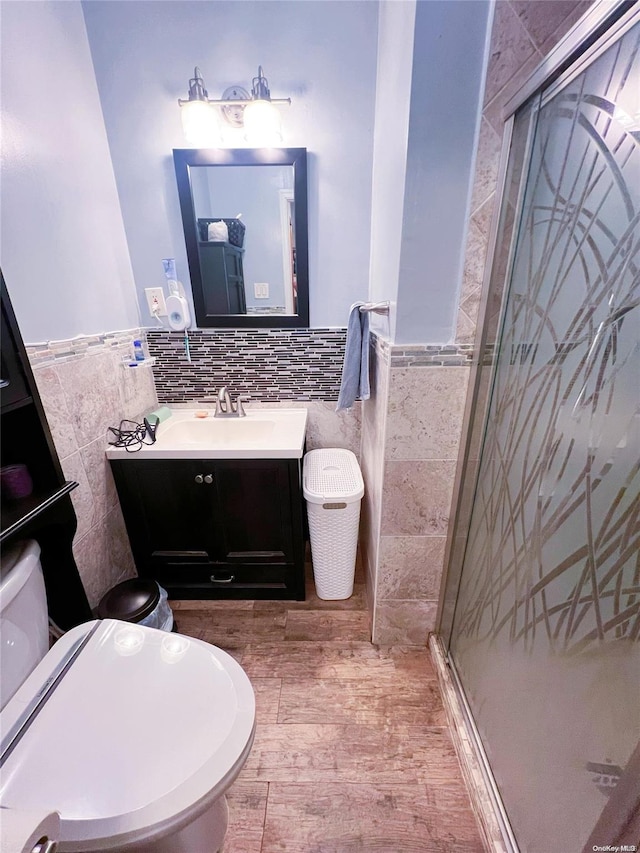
column 214, row 508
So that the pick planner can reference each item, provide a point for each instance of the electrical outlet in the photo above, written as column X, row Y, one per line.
column 261, row 290
column 155, row 300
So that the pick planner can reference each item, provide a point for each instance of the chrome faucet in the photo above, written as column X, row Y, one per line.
column 225, row 408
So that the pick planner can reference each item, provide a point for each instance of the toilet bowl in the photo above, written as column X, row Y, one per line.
column 131, row 734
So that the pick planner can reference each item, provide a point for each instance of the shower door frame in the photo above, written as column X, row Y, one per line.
column 603, row 24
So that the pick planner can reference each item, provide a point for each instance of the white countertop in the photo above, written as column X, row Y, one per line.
column 261, row 434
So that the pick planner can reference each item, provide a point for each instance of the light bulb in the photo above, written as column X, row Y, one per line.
column 262, row 124
column 200, row 124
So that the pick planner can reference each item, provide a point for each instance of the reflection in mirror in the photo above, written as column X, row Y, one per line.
column 263, row 236
column 245, row 224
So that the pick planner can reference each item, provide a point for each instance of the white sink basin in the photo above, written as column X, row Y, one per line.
column 215, row 431
column 262, row 434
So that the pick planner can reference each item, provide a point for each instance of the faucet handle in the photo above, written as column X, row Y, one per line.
column 239, row 401
column 224, row 405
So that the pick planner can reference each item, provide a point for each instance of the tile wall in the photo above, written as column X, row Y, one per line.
column 269, row 364
column 411, row 433
column 374, row 415
column 85, row 389
column 523, row 32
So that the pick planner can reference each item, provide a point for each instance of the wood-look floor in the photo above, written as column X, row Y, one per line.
column 352, row 752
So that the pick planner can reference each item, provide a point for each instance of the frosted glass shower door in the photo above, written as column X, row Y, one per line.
column 547, row 622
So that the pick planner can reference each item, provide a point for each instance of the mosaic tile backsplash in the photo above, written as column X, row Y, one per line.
column 271, row 364
column 268, row 364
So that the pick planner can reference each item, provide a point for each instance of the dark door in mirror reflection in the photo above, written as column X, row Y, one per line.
column 223, row 278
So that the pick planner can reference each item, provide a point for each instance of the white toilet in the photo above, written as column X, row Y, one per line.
column 132, row 734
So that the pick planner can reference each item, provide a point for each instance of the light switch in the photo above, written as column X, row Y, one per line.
column 261, row 289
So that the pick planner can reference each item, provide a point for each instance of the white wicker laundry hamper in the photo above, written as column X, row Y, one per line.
column 333, row 488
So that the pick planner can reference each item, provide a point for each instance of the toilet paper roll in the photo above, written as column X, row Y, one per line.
column 178, row 312
column 22, row 830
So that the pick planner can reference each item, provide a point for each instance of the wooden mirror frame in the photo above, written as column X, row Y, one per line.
column 184, row 159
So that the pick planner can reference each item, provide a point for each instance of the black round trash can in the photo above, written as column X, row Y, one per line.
column 137, row 600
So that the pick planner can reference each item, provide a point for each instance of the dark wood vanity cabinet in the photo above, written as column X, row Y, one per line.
column 223, row 273
column 215, row 528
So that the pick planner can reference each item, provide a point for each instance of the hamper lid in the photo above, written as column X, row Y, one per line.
column 332, row 474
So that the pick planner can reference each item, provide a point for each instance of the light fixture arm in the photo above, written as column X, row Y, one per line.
column 197, row 91
column 243, row 103
column 260, row 87
column 229, row 102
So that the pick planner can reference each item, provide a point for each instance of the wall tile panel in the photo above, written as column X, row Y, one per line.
column 410, row 567
column 404, row 622
column 84, row 389
column 424, row 419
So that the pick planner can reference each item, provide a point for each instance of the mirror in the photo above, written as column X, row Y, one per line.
column 244, row 214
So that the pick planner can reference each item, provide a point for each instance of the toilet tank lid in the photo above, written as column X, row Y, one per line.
column 16, row 566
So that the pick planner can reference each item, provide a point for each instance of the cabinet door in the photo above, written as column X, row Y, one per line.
column 222, row 278
column 253, row 510
column 168, row 508
column 235, row 280
column 214, row 278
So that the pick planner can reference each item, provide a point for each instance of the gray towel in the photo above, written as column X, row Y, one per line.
column 355, row 370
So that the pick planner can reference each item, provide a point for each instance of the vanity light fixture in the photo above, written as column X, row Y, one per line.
column 256, row 112
column 199, row 121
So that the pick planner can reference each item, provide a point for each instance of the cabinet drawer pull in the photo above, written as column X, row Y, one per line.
column 208, row 478
column 214, row 579
column 199, row 478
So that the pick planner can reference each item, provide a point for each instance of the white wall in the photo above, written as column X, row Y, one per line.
column 446, row 87
column 391, row 135
column 62, row 243
column 321, row 54
column 430, row 66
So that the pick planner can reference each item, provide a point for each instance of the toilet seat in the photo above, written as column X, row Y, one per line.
column 143, row 731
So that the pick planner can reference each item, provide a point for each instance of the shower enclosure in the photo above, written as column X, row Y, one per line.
column 541, row 618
